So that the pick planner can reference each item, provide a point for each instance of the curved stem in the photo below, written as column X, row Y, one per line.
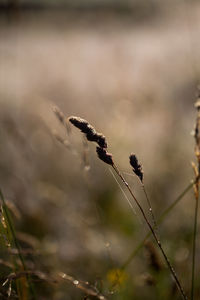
column 153, row 233
column 150, row 208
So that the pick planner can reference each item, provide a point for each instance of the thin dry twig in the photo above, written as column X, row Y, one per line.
column 137, row 169
column 41, row 275
column 84, row 286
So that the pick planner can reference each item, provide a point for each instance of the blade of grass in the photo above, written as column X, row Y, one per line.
column 161, row 218
column 16, row 243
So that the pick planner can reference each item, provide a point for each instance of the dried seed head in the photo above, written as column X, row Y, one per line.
column 65, row 142
column 197, row 104
column 105, row 156
column 137, row 168
column 89, row 131
column 81, row 124
column 149, row 279
column 154, row 259
column 91, row 134
column 101, row 140
column 59, row 114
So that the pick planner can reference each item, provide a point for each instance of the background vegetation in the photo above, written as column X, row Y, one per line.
column 131, row 70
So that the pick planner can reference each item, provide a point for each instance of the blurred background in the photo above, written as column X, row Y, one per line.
column 131, row 68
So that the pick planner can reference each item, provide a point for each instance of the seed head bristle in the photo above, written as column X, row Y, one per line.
column 104, row 156
column 137, row 168
column 89, row 131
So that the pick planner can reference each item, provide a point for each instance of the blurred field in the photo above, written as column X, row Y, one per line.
column 135, row 80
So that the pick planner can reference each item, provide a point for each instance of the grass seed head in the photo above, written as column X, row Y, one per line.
column 154, row 259
column 101, row 140
column 105, row 156
column 89, row 131
column 137, row 168
column 81, row 124
column 59, row 114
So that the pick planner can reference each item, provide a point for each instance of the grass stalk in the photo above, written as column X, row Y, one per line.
column 196, row 169
column 93, row 136
column 194, row 247
column 153, row 233
column 160, row 220
column 150, row 207
column 138, row 170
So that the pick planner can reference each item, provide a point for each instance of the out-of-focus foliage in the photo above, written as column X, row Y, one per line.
column 134, row 78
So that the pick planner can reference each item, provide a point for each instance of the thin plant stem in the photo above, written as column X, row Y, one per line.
column 150, row 207
column 106, row 157
column 12, row 230
column 153, row 233
column 160, row 220
column 194, row 246
column 196, row 191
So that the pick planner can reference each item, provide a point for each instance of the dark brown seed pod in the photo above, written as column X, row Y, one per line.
column 101, row 140
column 89, row 131
column 81, row 124
column 105, row 156
column 137, row 168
